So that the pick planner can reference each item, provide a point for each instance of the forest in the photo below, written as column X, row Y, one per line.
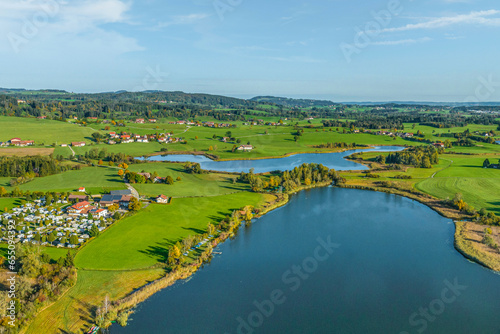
column 21, row 166
column 419, row 157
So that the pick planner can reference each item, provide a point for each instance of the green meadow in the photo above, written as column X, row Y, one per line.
column 190, row 185
column 143, row 240
column 479, row 186
column 42, row 131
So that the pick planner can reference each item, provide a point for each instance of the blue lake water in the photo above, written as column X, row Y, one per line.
column 335, row 161
column 332, row 261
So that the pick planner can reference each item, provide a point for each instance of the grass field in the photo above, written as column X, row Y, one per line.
column 143, row 239
column 8, row 203
column 54, row 132
column 479, row 186
column 25, row 151
column 94, row 179
column 191, row 185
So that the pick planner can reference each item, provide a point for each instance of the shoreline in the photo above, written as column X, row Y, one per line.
column 286, row 155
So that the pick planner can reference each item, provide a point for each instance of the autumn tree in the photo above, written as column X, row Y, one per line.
column 210, row 229
column 135, row 204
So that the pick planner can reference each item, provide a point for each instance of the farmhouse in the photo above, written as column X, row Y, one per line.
column 162, row 199
column 112, row 134
column 140, row 121
column 120, row 197
column 78, row 144
column 245, row 148
column 152, row 121
column 81, row 189
column 78, row 198
column 24, row 143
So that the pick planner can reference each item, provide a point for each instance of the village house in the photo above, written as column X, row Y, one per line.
column 140, row 121
column 146, row 175
column 64, row 145
column 78, row 144
column 80, row 208
column 225, row 139
column 245, row 148
column 126, row 139
column 81, row 189
column 98, row 213
column 162, row 199
column 159, row 179
column 152, row 121
column 112, row 134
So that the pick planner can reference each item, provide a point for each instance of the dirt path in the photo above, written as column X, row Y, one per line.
column 439, row 171
column 73, row 152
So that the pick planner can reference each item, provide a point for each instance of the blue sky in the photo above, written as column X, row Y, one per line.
column 343, row 50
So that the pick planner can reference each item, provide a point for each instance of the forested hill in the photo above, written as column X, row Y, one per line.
column 124, row 96
column 291, row 103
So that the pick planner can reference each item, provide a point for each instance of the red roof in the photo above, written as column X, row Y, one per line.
column 162, row 197
column 81, row 205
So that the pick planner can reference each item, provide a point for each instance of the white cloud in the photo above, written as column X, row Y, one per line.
column 404, row 41
column 479, row 18
column 183, row 19
column 47, row 26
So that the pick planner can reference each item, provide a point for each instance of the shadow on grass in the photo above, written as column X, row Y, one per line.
column 195, row 230
column 160, row 251
column 495, row 210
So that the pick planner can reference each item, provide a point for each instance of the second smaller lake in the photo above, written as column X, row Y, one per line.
column 335, row 161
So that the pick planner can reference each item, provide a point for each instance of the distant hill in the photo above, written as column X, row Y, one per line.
column 288, row 102
column 123, row 96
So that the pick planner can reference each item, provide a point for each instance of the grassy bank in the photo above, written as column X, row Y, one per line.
column 468, row 241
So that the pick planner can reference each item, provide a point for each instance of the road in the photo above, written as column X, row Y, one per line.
column 132, row 189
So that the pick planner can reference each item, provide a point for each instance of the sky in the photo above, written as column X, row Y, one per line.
column 341, row 50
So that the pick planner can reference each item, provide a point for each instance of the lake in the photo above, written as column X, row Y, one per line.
column 335, row 161
column 332, row 261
